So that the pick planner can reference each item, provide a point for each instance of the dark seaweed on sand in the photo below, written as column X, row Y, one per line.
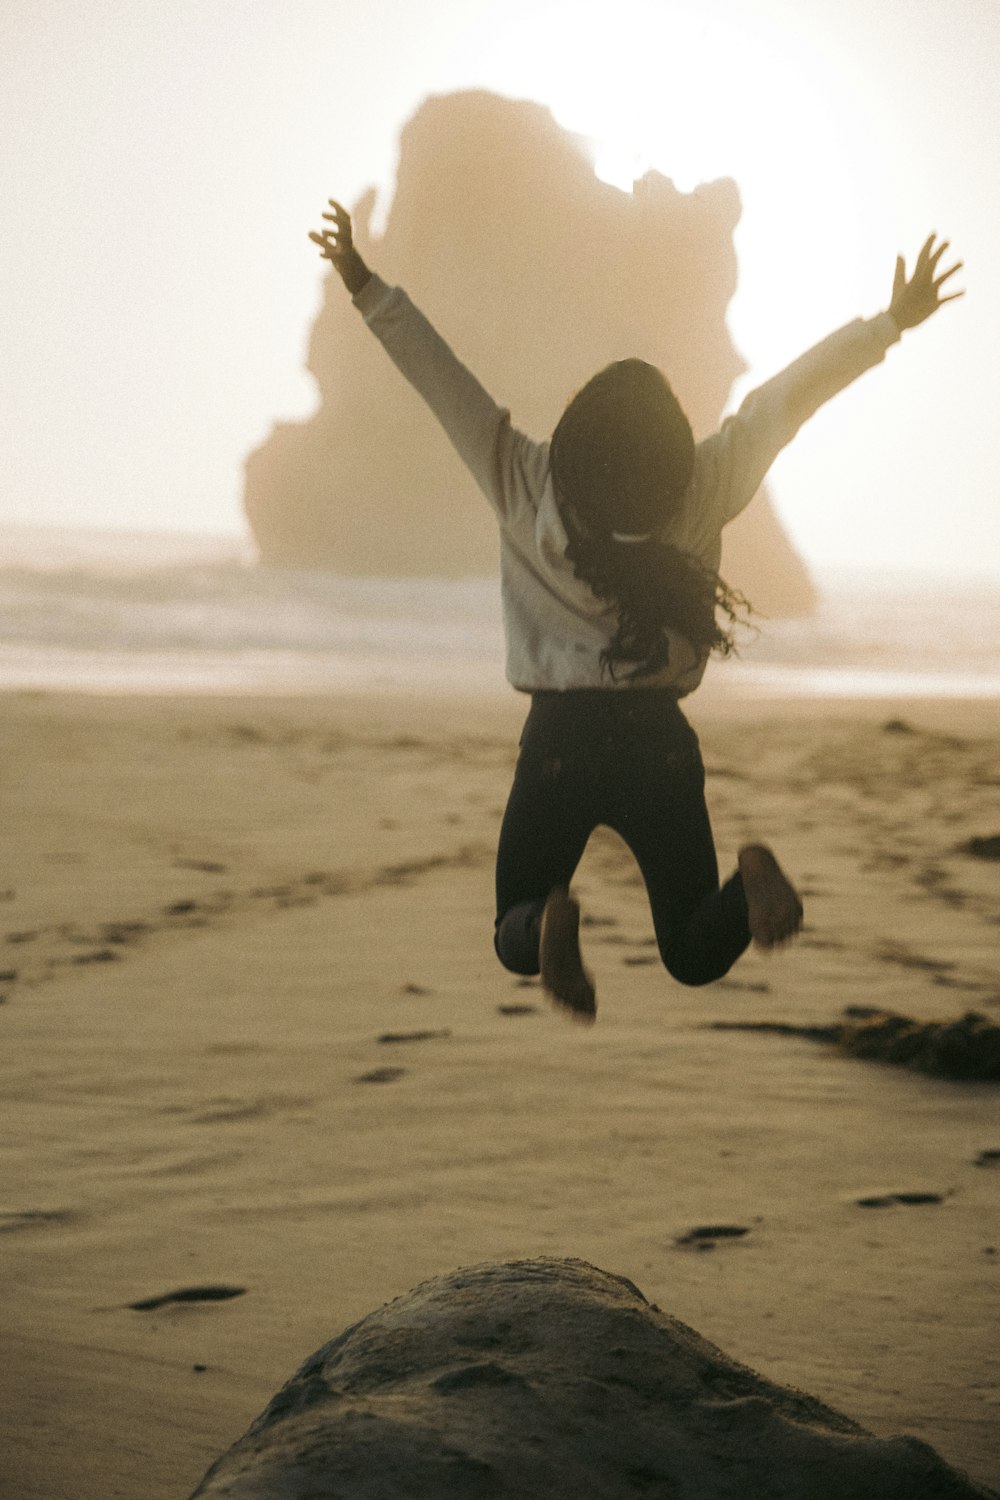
column 967, row 1049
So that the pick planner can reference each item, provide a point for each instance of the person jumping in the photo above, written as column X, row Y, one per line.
column 611, row 538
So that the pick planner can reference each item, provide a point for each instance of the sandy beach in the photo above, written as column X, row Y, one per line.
column 256, row 1046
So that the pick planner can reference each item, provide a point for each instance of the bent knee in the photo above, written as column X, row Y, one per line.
column 515, row 938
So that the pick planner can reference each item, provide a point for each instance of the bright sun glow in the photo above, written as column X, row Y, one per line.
column 730, row 91
column 153, row 338
column 761, row 93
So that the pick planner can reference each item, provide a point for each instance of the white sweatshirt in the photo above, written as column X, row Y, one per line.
column 556, row 627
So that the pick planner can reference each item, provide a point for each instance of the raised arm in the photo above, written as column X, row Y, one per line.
column 337, row 246
column 915, row 299
column 737, row 458
column 509, row 468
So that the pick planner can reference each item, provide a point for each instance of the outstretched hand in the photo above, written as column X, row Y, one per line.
column 915, row 299
column 337, row 246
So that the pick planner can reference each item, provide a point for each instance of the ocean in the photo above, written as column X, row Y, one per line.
column 117, row 612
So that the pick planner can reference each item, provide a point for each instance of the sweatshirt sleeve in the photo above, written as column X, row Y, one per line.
column 734, row 462
column 508, row 467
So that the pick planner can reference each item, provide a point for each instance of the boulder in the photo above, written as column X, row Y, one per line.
column 553, row 1378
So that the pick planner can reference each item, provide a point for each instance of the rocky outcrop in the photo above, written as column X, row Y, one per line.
column 538, row 274
column 552, row 1378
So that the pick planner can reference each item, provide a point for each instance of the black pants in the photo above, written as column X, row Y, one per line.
column 629, row 759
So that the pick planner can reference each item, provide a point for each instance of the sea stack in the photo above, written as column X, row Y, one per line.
column 538, row 274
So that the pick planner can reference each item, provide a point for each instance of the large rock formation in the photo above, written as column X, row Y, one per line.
column 552, row 1378
column 538, row 274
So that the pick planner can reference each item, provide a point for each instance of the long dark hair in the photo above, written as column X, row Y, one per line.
column 622, row 455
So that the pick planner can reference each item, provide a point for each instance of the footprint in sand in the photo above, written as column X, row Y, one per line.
column 887, row 1200
column 35, row 1218
column 248, row 734
column 707, row 1236
column 970, row 986
column 123, row 932
column 983, row 846
column 989, row 1158
column 518, row 1010
column 189, row 1294
column 223, row 1111
column 412, row 1036
column 380, row 1075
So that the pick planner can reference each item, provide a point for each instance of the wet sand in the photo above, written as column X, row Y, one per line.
column 257, row 1051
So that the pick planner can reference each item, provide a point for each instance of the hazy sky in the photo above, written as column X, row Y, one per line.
column 162, row 164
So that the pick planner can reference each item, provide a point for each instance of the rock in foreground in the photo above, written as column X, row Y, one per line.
column 553, row 1378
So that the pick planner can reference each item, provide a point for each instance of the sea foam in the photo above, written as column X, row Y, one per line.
column 136, row 612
